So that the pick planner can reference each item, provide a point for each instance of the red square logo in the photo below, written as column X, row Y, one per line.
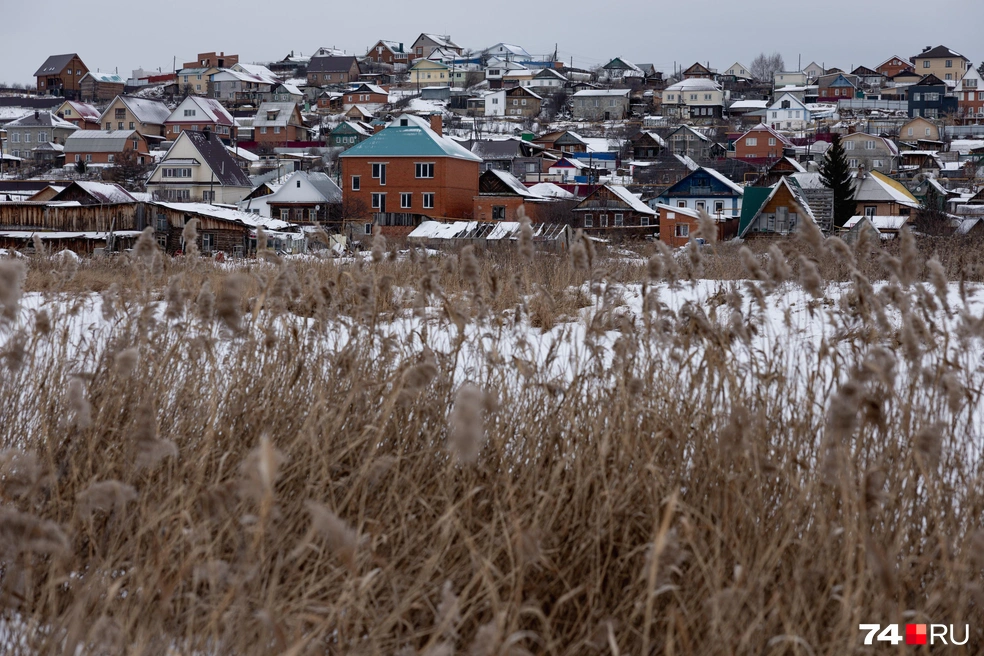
column 915, row 634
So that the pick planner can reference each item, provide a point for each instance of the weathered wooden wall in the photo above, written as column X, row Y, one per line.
column 93, row 218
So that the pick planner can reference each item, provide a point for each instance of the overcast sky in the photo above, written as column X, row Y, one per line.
column 843, row 33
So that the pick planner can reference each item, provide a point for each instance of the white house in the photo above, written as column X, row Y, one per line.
column 788, row 113
column 199, row 168
column 789, row 78
column 738, row 71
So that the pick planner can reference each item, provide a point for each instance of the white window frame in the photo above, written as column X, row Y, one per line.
column 588, row 221
column 406, row 200
column 356, row 183
column 429, row 200
column 423, row 170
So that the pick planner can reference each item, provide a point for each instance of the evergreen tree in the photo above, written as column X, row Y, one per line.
column 835, row 173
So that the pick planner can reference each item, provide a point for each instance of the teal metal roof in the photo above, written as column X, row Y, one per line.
column 751, row 203
column 409, row 141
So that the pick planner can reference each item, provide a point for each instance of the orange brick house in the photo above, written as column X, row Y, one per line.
column 894, row 65
column 761, row 143
column 501, row 194
column 392, row 53
column 278, row 123
column 410, row 168
column 101, row 147
column 677, row 225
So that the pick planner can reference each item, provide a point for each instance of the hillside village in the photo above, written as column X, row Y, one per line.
column 432, row 142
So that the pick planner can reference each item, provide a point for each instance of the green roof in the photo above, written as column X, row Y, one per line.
column 410, row 141
column 751, row 203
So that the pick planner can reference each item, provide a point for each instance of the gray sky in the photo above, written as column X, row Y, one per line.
column 845, row 33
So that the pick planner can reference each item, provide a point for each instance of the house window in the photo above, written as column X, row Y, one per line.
column 284, row 215
column 644, row 221
column 603, row 220
column 379, row 173
column 925, row 63
column 751, row 141
column 177, row 129
column 700, row 205
column 111, row 158
column 949, row 63
column 424, row 170
column 189, row 112
column 356, row 183
column 772, row 141
column 682, row 230
column 877, row 163
column 853, row 163
column 870, row 210
column 368, row 228
column 208, row 242
column 27, row 137
column 775, row 114
column 849, row 145
column 131, row 125
column 276, row 129
column 718, row 206
column 88, row 158
column 869, row 145
column 619, row 220
column 119, row 114
column 406, row 200
column 119, row 125
column 377, row 201
column 681, row 203
column 109, row 126
column 588, row 221
column 78, row 158
column 499, row 212
column 16, row 137
column 428, row 201
column 910, row 132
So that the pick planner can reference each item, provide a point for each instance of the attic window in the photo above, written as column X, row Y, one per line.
column 298, row 184
column 404, row 122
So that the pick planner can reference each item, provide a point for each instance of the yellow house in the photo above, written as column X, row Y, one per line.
column 425, row 72
column 942, row 62
column 919, row 129
column 144, row 115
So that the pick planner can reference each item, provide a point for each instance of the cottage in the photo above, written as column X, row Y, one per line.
column 613, row 208
column 100, row 87
column 348, row 133
column 564, row 141
column 80, row 114
column 920, row 129
column 647, row 146
column 517, row 102
column 306, row 198
column 893, row 66
column 278, row 123
column 970, row 97
column 61, row 75
column 838, row 86
column 870, row 152
column 322, row 71
column 144, row 115
column 28, row 133
column 779, row 211
column 239, row 89
column 930, row 98
column 522, row 159
column 220, row 229
column 368, row 96
column 699, row 72
column 198, row 167
column 878, row 195
column 695, row 99
column 601, row 104
column 501, row 195
column 547, row 81
column 941, row 62
column 689, row 142
column 102, row 148
column 737, row 72
column 705, row 189
column 425, row 72
column 390, row 53
column 200, row 114
column 760, row 144
column 789, row 113
column 425, row 45
column 619, row 69
column 679, row 225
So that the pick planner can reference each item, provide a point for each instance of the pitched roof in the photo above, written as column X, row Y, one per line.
column 145, row 110
column 227, row 214
column 762, row 127
column 878, row 187
column 411, row 140
column 42, row 120
column 441, row 40
column 794, row 190
column 109, row 78
column 98, row 141
column 282, row 114
column 694, row 84
column 54, row 64
column 323, row 185
column 211, row 108
column 630, row 199
column 930, row 80
column 85, row 110
column 751, row 202
column 101, row 192
column 904, row 60
column 216, row 157
column 550, row 190
column 939, row 52
column 723, row 180
column 331, row 64
column 603, row 92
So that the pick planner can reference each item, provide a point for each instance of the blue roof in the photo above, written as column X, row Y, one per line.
column 409, row 141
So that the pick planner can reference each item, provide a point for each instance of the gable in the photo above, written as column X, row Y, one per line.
column 700, row 183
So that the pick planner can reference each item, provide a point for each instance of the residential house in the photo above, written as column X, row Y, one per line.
column 705, row 189
column 28, row 133
column 369, row 96
column 258, row 70
column 286, row 92
column 789, row 113
column 517, row 102
column 61, row 75
column 391, row 53
column 870, row 152
column 736, row 72
column 496, row 71
column 894, row 65
column 348, row 133
column 619, row 69
column 425, row 72
column 220, row 229
column 613, row 208
column 213, row 60
column 970, row 97
column 941, row 62
column 689, row 142
column 501, row 195
column 523, row 159
column 568, row 169
column 508, row 52
column 306, row 198
column 547, row 81
column 775, row 211
column 777, row 170
column 238, row 89
column 323, row 71
column 410, row 169
column 425, row 45
column 813, row 72
column 761, row 143
column 278, row 123
column 920, row 129
column 80, row 114
column 564, row 141
column 144, row 115
column 100, row 87
column 647, row 146
column 869, row 77
column 515, row 78
column 330, row 102
column 838, row 86
column 87, row 194
column 199, row 168
column 679, row 225
column 930, row 98
column 101, row 148
column 789, row 78
column 694, row 99
column 200, row 114
column 601, row 104
column 877, row 194
column 196, row 80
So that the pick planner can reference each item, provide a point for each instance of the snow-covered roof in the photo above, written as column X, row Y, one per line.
column 98, row 141
column 109, row 78
column 282, row 112
column 513, row 183
column 878, row 187
column 104, row 192
column 145, row 110
column 693, row 214
column 550, row 190
column 227, row 214
column 630, row 199
column 694, row 84
column 243, row 153
column 749, row 104
column 880, row 222
column 415, row 139
column 723, row 180
column 42, row 119
column 49, row 235
column 808, row 180
column 211, row 108
column 603, row 92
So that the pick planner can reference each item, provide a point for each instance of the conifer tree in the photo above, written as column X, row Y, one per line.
column 835, row 173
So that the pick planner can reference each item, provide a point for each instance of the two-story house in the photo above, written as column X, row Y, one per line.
column 425, row 45
column 687, row 141
column 970, row 97
column 647, row 146
column 100, row 87
column 200, row 114
column 391, row 53
column 920, row 129
column 694, row 99
column 237, row 88
column 517, row 102
column 410, row 168
column 871, row 152
column 789, row 78
column 931, row 98
column 547, row 81
column 563, row 141
column 601, row 104
column 788, row 113
column 838, row 86
column 199, row 168
column 26, row 134
column 144, row 115
column 348, row 133
column 614, row 208
column 278, row 123
column 101, row 148
column 705, row 189
column 61, row 75
column 370, row 96
column 197, row 80
column 425, row 72
column 324, row 71
column 778, row 213
column 761, row 144
column 942, row 62
column 82, row 115
column 894, row 65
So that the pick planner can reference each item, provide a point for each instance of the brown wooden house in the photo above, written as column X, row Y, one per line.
column 61, row 75
column 613, row 209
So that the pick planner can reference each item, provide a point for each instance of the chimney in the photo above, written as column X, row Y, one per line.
column 436, row 124
column 376, row 129
column 927, row 48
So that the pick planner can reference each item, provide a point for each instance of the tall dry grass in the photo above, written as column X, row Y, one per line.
column 375, row 457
